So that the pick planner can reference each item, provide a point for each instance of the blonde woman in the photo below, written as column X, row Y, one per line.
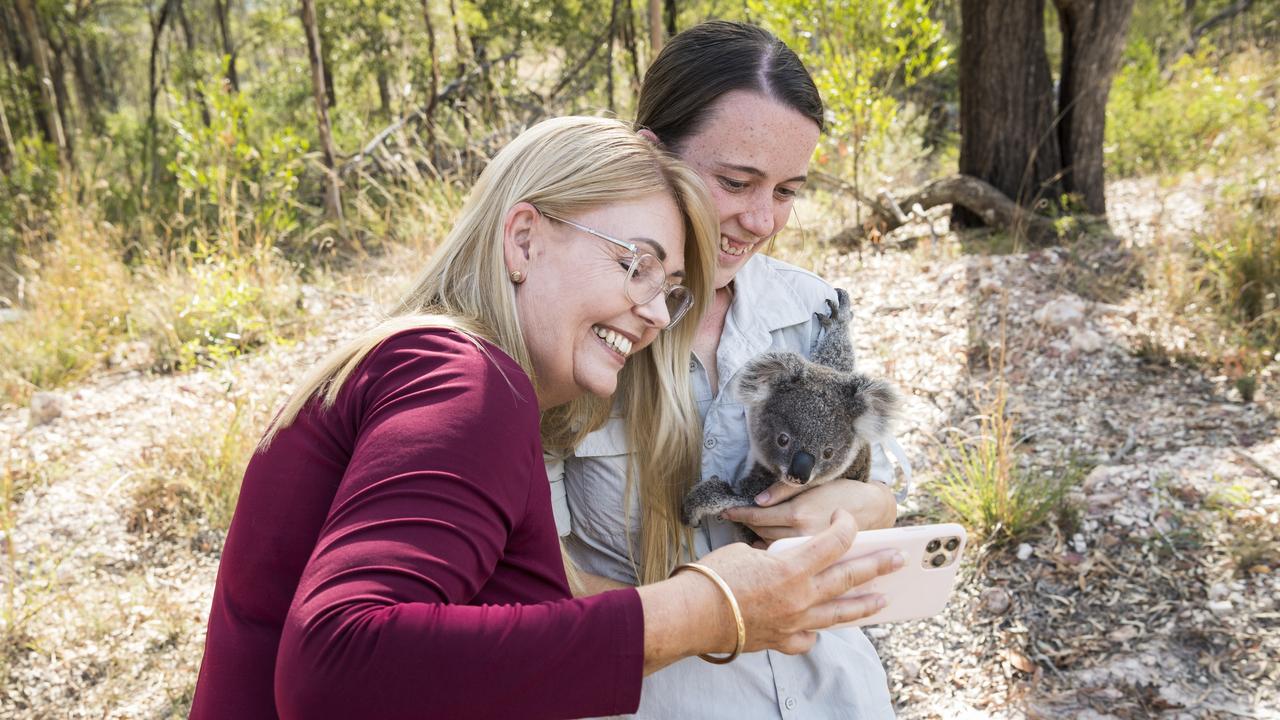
column 394, row 554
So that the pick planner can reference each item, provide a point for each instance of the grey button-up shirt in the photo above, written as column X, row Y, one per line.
column 773, row 310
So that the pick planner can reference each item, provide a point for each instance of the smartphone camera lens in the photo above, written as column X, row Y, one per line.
column 938, row 560
column 933, row 545
column 952, row 544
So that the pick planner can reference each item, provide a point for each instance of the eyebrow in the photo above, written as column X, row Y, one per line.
column 658, row 250
column 757, row 172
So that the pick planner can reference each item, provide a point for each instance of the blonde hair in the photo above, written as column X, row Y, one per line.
column 565, row 166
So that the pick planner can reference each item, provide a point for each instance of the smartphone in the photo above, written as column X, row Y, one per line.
column 918, row 589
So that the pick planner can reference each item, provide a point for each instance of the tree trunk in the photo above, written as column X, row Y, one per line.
column 429, row 111
column 608, row 53
column 1093, row 33
column 332, row 197
column 1006, row 101
column 49, row 114
column 190, row 38
column 326, row 60
column 86, row 86
column 66, row 111
column 1014, row 133
column 655, row 28
column 153, row 84
column 7, row 150
column 671, row 18
column 629, row 39
column 221, row 9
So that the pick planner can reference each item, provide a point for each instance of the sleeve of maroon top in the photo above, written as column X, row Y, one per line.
column 438, row 480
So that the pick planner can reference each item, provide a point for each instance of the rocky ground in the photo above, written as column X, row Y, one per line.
column 1157, row 599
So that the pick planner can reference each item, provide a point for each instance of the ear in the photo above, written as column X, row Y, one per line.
column 762, row 373
column 649, row 135
column 880, row 403
column 519, row 239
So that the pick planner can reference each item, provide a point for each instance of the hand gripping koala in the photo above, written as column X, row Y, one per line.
column 810, row 421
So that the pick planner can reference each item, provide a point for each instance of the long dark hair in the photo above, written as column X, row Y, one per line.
column 707, row 61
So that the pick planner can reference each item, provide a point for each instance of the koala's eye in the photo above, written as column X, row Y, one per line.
column 784, row 440
column 828, row 453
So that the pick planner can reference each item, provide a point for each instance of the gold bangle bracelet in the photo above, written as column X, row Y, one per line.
column 733, row 605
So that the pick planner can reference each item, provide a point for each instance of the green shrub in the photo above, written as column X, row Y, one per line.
column 1205, row 114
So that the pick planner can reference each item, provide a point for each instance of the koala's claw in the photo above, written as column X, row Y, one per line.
column 839, row 310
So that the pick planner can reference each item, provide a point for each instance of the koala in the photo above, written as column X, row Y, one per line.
column 810, row 421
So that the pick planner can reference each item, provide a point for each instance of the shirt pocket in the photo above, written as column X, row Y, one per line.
column 595, row 484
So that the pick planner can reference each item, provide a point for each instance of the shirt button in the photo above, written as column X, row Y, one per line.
column 709, row 443
column 791, row 703
column 693, row 365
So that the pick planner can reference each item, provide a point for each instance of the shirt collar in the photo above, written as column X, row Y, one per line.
column 769, row 302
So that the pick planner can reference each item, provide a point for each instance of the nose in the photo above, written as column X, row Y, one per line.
column 801, row 466
column 757, row 219
column 655, row 313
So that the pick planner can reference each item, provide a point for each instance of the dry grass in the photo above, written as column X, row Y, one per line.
column 82, row 302
column 188, row 487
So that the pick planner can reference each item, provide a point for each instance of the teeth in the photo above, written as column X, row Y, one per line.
column 728, row 247
column 616, row 341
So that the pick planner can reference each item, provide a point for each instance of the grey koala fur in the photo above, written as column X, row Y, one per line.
column 810, row 421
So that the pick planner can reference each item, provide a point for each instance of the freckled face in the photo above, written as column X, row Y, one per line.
column 578, row 323
column 753, row 153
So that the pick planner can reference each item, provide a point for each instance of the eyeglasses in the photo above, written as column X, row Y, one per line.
column 646, row 277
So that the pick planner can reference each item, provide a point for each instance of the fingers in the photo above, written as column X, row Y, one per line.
column 842, row 577
column 845, row 610
column 778, row 492
column 827, row 546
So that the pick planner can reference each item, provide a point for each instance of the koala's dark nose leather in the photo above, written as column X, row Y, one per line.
column 801, row 466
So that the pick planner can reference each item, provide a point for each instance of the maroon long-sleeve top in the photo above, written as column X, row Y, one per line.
column 395, row 555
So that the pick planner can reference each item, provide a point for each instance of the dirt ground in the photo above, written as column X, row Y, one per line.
column 1159, row 603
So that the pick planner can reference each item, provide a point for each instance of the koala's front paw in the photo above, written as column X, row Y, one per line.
column 839, row 315
column 707, row 498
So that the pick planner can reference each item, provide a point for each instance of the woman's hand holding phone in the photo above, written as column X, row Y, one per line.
column 785, row 596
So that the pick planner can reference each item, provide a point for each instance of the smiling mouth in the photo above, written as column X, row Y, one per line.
column 620, row 344
column 733, row 247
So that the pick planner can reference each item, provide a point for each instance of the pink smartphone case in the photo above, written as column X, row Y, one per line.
column 916, row 590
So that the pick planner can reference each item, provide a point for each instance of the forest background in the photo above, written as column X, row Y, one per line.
column 183, row 181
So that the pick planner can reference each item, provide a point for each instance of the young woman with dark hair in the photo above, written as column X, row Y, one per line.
column 738, row 106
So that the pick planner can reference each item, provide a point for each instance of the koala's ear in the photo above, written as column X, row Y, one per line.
column 879, row 401
column 766, row 371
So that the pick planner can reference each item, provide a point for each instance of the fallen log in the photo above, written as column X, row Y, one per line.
column 994, row 207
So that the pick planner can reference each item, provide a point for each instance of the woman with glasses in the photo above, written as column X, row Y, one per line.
column 393, row 552
column 738, row 106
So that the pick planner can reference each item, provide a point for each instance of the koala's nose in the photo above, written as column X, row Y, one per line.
column 801, row 466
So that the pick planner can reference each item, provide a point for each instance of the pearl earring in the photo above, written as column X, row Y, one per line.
column 517, row 277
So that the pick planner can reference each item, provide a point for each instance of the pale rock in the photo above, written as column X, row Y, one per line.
column 1086, row 341
column 995, row 600
column 1100, row 476
column 910, row 670
column 1123, row 634
column 1024, row 551
column 1078, row 544
column 1100, row 501
column 989, row 285
column 134, row 355
column 1065, row 311
column 1219, row 591
column 1219, row 607
column 45, row 406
